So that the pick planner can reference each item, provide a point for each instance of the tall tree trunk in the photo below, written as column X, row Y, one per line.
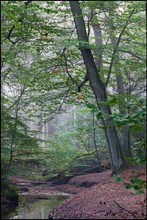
column 125, row 147
column 97, row 86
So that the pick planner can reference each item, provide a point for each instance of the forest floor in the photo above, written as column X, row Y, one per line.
column 106, row 199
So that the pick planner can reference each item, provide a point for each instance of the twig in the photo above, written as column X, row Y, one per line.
column 125, row 209
column 66, row 68
column 134, row 55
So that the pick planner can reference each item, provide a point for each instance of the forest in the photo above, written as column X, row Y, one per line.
column 73, row 91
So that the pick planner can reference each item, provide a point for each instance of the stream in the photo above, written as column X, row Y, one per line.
column 33, row 206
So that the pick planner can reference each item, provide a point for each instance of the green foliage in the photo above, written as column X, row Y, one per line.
column 37, row 80
column 118, row 178
column 16, row 140
column 137, row 184
column 139, row 152
column 135, row 119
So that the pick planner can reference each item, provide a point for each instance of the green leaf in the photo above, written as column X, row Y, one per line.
column 94, row 128
column 118, row 178
column 99, row 114
column 139, row 181
column 93, row 110
column 112, row 101
column 132, row 180
column 136, row 187
column 127, row 185
column 139, row 191
column 90, row 105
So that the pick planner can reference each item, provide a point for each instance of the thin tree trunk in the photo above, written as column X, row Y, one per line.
column 94, row 140
column 97, row 86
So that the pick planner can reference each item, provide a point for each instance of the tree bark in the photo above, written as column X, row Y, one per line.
column 97, row 86
column 125, row 147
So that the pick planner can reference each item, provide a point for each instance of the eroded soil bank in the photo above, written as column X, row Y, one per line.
column 105, row 200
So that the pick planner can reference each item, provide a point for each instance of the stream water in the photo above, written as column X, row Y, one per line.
column 33, row 207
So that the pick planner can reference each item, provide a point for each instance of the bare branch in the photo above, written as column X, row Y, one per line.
column 134, row 55
column 66, row 63
column 125, row 209
column 66, row 68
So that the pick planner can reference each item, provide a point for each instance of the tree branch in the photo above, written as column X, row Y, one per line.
column 13, row 27
column 82, row 83
column 88, row 22
column 86, row 154
column 134, row 55
column 125, row 209
column 66, row 65
column 79, row 137
column 72, row 79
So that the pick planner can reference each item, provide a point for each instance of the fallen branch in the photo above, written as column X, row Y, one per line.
column 125, row 209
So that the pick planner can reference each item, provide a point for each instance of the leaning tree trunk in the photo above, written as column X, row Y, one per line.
column 97, row 86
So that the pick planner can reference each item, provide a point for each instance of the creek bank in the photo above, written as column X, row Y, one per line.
column 24, row 185
column 33, row 207
column 75, row 185
column 71, row 185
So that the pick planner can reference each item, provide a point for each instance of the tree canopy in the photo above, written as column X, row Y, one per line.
column 80, row 58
